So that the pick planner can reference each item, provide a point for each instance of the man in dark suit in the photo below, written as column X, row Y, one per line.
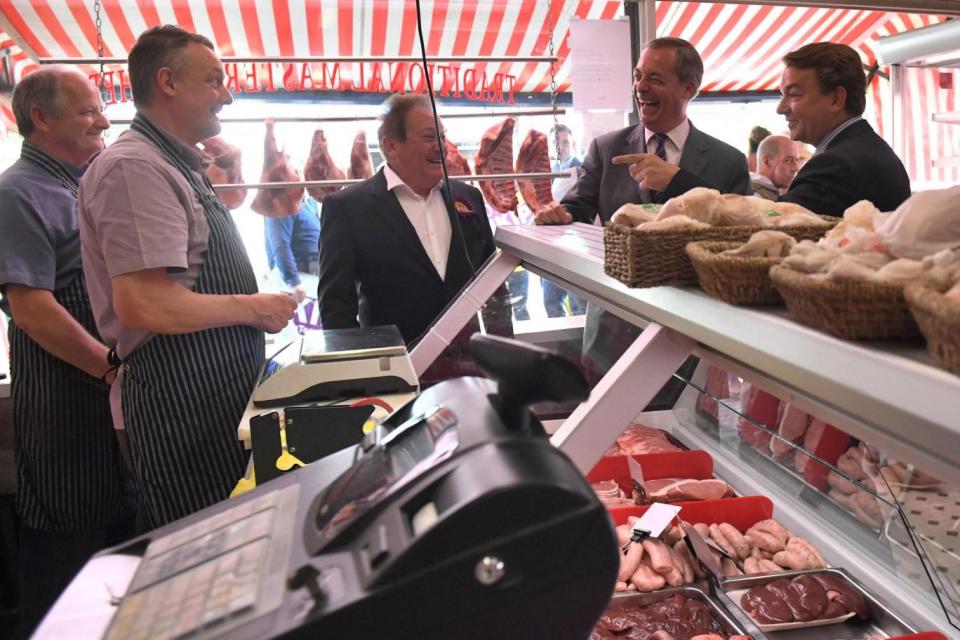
column 391, row 249
column 661, row 157
column 824, row 95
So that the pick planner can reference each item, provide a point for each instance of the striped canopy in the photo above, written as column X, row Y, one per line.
column 741, row 44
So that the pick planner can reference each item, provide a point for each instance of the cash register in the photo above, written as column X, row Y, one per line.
column 455, row 518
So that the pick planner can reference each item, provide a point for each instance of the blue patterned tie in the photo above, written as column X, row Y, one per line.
column 661, row 152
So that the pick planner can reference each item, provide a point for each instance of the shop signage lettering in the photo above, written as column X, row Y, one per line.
column 449, row 80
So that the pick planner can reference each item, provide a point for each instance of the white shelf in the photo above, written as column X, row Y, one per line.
column 889, row 393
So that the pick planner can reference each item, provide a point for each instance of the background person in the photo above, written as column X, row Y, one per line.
column 777, row 163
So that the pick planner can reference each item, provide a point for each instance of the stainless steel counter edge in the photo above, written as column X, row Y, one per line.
column 892, row 387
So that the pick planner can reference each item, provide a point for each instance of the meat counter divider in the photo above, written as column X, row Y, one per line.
column 572, row 256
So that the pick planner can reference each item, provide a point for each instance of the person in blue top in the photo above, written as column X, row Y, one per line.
column 558, row 301
column 293, row 246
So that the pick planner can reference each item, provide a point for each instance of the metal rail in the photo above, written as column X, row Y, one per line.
column 320, row 59
column 445, row 116
column 343, row 183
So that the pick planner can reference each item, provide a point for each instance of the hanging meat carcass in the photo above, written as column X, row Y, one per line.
column 361, row 167
column 224, row 168
column 277, row 203
column 320, row 167
column 494, row 157
column 534, row 157
column 457, row 165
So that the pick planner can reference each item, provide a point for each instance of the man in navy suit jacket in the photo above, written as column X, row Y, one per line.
column 663, row 156
column 391, row 250
column 824, row 95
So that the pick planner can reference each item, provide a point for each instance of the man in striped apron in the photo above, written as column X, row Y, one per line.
column 171, row 283
column 71, row 496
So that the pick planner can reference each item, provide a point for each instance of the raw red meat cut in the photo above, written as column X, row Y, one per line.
column 457, row 165
column 361, row 167
column 494, row 157
column 686, row 489
column 277, row 203
column 224, row 168
column 676, row 615
column 637, row 439
column 320, row 167
column 791, row 427
column 534, row 157
column 816, row 596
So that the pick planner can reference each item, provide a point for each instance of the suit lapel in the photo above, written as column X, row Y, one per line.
column 387, row 207
column 457, row 260
column 694, row 157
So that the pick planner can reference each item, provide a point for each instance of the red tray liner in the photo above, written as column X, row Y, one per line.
column 831, row 446
column 763, row 408
column 924, row 635
column 697, row 465
column 740, row 512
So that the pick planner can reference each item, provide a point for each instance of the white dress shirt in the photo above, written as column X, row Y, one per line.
column 676, row 138
column 428, row 216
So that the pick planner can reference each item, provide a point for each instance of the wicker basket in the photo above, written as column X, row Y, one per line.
column 733, row 279
column 856, row 310
column 939, row 321
column 654, row 258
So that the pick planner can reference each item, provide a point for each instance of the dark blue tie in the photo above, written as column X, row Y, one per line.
column 660, row 152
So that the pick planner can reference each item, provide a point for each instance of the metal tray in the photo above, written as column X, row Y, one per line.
column 633, row 599
column 883, row 622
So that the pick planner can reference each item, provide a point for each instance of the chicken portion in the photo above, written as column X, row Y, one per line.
column 224, row 168
column 277, row 203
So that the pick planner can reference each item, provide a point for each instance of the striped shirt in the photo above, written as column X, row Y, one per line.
column 827, row 139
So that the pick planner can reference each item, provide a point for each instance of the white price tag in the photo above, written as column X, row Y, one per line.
column 657, row 518
column 636, row 471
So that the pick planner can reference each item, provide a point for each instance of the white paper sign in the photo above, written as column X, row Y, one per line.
column 601, row 68
column 656, row 519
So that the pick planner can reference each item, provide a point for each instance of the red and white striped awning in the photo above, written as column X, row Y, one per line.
column 741, row 44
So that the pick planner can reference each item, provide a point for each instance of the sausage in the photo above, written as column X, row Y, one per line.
column 646, row 579
column 623, row 534
column 736, row 539
column 791, row 560
column 751, row 566
column 814, row 559
column 721, row 540
column 702, row 529
column 630, row 560
column 768, row 535
column 768, row 566
column 658, row 555
column 619, row 586
column 683, row 564
column 683, row 551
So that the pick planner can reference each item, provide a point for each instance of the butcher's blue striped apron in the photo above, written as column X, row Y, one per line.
column 183, row 395
column 70, row 476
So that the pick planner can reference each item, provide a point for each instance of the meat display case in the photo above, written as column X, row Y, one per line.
column 889, row 396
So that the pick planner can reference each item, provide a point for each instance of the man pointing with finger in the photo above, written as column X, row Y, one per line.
column 661, row 157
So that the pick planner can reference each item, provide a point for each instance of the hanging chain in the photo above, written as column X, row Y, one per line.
column 99, row 25
column 553, row 91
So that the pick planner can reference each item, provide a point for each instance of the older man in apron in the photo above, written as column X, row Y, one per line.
column 71, row 496
column 171, row 283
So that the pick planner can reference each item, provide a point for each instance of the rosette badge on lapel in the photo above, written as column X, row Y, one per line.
column 463, row 208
